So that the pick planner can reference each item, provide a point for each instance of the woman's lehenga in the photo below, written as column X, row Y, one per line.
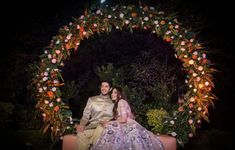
column 127, row 136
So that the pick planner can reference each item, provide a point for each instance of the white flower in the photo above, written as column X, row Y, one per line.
column 180, row 36
column 194, row 90
column 177, row 26
column 161, row 12
column 127, row 22
column 172, row 122
column 198, row 79
column 195, row 53
column 146, row 18
column 102, row 1
column 45, row 52
column 44, row 115
column 53, row 89
column 190, row 86
column 156, row 22
column 176, row 56
column 109, row 16
column 192, row 99
column 190, row 135
column 190, row 121
column 98, row 12
column 117, row 27
column 51, row 104
column 49, row 56
column 182, row 49
column 57, row 51
column 78, row 26
column 186, row 81
column 48, row 69
column 45, row 88
column 191, row 40
column 69, row 36
column 44, row 78
column 46, row 101
column 200, row 68
column 53, row 60
column 70, row 23
column 168, row 32
column 58, row 99
column 194, row 74
column 191, row 62
column 173, row 134
column 40, row 90
column 199, row 108
column 45, row 73
column 82, row 16
column 151, row 8
column 182, row 43
column 57, row 42
column 55, row 81
column 185, row 56
column 199, row 58
column 121, row 15
column 206, row 83
column 203, row 55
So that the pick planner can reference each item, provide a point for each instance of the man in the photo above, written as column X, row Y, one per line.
column 98, row 109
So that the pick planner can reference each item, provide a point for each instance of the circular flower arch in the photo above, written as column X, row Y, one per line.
column 191, row 109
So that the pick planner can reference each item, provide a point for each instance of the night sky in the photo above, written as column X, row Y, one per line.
column 29, row 26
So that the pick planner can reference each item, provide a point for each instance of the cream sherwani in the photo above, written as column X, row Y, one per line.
column 98, row 108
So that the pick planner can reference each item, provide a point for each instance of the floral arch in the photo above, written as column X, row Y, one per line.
column 191, row 110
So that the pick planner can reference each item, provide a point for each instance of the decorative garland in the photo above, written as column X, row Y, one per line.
column 192, row 108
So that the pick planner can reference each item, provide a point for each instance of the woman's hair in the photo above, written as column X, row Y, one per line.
column 120, row 95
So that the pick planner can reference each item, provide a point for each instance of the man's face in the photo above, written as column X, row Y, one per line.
column 105, row 88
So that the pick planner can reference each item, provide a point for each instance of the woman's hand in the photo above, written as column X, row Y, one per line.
column 79, row 128
column 104, row 123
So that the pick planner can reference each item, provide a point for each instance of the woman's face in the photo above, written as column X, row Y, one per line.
column 114, row 94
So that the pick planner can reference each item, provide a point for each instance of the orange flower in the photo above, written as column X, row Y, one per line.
column 134, row 14
column 56, row 108
column 171, row 26
column 194, row 56
column 162, row 22
column 181, row 109
column 167, row 39
column 50, row 94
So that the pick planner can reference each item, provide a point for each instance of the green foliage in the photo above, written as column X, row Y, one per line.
column 110, row 73
column 26, row 117
column 6, row 110
column 69, row 90
column 156, row 118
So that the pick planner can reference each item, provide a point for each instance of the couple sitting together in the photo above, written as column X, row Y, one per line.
column 108, row 124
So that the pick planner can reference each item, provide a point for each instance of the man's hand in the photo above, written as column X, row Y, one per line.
column 79, row 128
column 104, row 123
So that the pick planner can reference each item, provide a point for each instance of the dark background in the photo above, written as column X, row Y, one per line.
column 29, row 26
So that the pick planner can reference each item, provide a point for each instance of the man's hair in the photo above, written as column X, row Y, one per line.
column 107, row 81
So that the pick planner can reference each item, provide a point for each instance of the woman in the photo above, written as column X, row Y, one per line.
column 123, row 132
